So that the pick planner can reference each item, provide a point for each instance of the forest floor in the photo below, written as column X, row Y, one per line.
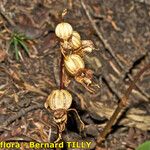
column 120, row 31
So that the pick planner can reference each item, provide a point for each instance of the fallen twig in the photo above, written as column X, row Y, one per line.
column 5, row 16
column 21, row 113
column 19, row 81
column 121, row 105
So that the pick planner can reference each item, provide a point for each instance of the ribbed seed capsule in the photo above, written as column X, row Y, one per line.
column 63, row 30
column 75, row 40
column 59, row 99
column 74, row 63
column 87, row 45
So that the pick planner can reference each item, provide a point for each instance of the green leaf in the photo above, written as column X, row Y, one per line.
column 24, row 46
column 144, row 146
column 11, row 42
column 16, row 49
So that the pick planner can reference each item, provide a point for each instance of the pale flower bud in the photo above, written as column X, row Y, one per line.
column 63, row 30
column 74, row 63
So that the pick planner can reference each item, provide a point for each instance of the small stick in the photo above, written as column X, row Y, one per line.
column 5, row 16
column 19, row 81
column 61, row 71
column 120, row 106
column 21, row 113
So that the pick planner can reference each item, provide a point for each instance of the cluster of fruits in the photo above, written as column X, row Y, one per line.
column 73, row 49
column 70, row 40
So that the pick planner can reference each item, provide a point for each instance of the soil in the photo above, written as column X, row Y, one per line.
column 121, row 52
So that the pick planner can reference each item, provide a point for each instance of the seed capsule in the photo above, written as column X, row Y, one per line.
column 87, row 45
column 63, row 30
column 59, row 99
column 74, row 63
column 75, row 40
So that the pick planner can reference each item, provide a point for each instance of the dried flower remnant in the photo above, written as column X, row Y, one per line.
column 87, row 46
column 59, row 102
column 75, row 66
column 71, row 45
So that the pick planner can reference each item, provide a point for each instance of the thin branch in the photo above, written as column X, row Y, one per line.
column 61, row 72
column 21, row 113
column 121, row 105
column 6, row 17
column 19, row 81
